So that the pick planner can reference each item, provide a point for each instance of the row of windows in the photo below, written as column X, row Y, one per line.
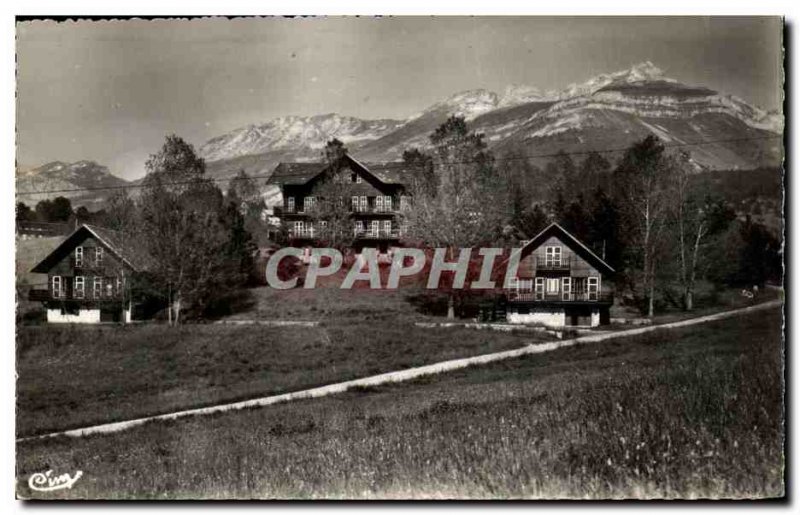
column 100, row 287
column 381, row 203
column 300, row 228
column 79, row 256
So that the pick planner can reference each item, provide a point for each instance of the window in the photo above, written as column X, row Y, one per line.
column 552, row 256
column 78, row 257
column 290, row 204
column 98, row 256
column 323, row 224
column 298, row 228
column 308, row 203
column 310, row 229
column 79, row 287
column 354, row 201
column 363, row 203
column 97, row 290
column 566, row 286
column 593, row 288
column 525, row 285
column 539, row 288
column 109, row 286
column 378, row 203
column 58, row 290
column 375, row 227
column 387, row 203
column 358, row 227
column 552, row 285
column 387, row 227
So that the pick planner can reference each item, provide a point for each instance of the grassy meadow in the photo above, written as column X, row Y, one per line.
column 71, row 376
column 696, row 413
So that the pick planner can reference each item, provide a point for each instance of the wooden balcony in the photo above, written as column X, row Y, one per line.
column 41, row 295
column 380, row 234
column 572, row 296
column 563, row 264
column 307, row 233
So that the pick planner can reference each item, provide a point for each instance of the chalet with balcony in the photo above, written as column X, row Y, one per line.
column 560, row 282
column 88, row 277
column 370, row 197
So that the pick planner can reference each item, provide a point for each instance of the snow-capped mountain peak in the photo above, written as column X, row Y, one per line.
column 517, row 94
column 469, row 104
column 288, row 132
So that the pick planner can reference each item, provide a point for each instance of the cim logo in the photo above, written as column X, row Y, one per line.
column 47, row 482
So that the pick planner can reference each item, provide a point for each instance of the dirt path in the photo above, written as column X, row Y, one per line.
column 401, row 375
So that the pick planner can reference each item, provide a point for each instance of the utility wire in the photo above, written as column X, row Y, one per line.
column 401, row 165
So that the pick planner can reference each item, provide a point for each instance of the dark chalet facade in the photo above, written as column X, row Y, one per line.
column 88, row 277
column 560, row 282
column 371, row 194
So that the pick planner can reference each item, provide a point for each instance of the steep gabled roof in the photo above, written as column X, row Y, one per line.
column 301, row 173
column 114, row 241
column 295, row 173
column 571, row 241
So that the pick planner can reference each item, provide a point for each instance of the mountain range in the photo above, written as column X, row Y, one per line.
column 607, row 112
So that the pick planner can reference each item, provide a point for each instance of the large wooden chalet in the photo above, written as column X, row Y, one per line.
column 373, row 193
column 88, row 276
column 560, row 282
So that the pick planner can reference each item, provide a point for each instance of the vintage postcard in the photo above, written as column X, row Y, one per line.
column 449, row 257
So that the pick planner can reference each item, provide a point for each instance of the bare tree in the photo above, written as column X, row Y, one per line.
column 642, row 186
column 330, row 212
column 697, row 217
column 243, row 192
column 467, row 205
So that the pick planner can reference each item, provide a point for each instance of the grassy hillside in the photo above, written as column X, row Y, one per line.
column 690, row 413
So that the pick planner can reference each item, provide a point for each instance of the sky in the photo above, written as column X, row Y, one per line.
column 110, row 91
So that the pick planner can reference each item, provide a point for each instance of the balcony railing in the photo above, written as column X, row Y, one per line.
column 553, row 264
column 572, row 296
column 39, row 295
column 303, row 233
column 373, row 209
column 376, row 234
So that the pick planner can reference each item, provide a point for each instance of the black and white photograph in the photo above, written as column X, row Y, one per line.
column 399, row 258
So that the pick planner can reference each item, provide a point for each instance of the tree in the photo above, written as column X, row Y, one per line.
column 57, row 210
column 468, row 206
column 23, row 212
column 593, row 174
column 696, row 216
column 196, row 241
column 330, row 212
column 521, row 180
column 641, row 183
column 421, row 165
column 562, row 176
column 243, row 192
column 603, row 233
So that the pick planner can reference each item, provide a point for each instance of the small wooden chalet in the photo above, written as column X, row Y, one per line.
column 372, row 193
column 560, row 282
column 88, row 277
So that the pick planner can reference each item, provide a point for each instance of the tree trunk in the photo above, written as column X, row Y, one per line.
column 176, row 305
column 451, row 312
column 651, row 300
